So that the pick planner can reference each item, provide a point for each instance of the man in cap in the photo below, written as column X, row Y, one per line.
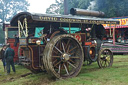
column 9, row 55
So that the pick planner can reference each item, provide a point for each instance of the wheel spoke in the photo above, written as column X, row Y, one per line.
column 67, row 66
column 74, row 57
column 102, row 56
column 54, row 61
column 108, row 62
column 58, row 49
column 55, row 52
column 59, row 68
column 71, row 61
column 72, row 53
column 66, row 69
column 68, row 49
column 57, row 63
column 105, row 64
column 101, row 61
column 72, row 49
column 63, row 47
column 67, row 43
column 56, row 56
column 60, row 45
column 71, row 65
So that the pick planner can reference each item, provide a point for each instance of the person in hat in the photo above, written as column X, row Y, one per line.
column 9, row 55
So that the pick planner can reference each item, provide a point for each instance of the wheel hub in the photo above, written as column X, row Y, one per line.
column 107, row 58
column 65, row 57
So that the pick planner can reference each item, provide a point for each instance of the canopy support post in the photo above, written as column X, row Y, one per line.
column 69, row 28
column 110, row 30
column 114, row 35
column 6, row 34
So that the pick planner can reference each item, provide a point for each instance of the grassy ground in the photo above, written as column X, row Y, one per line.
column 90, row 75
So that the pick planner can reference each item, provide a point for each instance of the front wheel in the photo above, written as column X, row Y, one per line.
column 63, row 56
column 105, row 58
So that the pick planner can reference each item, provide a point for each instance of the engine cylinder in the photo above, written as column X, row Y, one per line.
column 76, row 11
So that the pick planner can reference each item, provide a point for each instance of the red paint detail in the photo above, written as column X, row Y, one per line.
column 88, row 43
column 78, row 37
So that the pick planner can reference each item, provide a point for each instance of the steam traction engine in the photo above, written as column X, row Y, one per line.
column 60, row 44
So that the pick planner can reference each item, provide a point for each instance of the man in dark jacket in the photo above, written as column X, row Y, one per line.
column 9, row 55
column 2, row 56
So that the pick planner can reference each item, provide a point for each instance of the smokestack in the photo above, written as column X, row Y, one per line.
column 65, row 7
column 76, row 11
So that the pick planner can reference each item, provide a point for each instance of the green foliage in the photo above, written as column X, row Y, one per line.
column 9, row 8
column 55, row 8
column 112, row 8
column 1, row 35
column 58, row 7
column 82, row 4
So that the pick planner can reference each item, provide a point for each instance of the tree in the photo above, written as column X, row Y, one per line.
column 1, row 35
column 55, row 8
column 8, row 8
column 58, row 7
column 112, row 8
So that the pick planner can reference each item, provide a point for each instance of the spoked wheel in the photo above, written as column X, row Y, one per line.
column 63, row 56
column 105, row 58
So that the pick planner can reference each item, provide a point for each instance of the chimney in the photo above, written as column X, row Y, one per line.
column 65, row 7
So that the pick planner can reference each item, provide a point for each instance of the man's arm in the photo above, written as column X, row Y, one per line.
column 1, row 54
column 5, row 54
column 13, row 53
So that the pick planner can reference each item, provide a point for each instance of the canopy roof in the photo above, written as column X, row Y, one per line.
column 123, row 23
column 118, row 26
column 34, row 18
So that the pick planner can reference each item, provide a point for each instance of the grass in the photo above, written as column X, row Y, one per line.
column 89, row 75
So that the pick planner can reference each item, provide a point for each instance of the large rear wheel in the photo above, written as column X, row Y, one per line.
column 63, row 56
